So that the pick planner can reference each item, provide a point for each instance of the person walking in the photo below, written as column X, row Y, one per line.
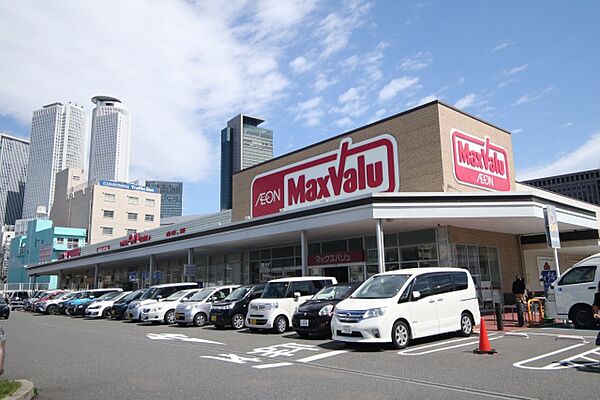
column 519, row 288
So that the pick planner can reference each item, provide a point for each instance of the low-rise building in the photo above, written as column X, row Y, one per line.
column 7, row 232
column 106, row 209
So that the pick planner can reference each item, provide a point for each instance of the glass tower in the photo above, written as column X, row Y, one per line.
column 171, row 195
column 14, row 156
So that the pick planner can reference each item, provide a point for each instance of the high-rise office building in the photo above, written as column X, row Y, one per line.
column 14, row 156
column 243, row 144
column 58, row 141
column 171, row 195
column 583, row 185
column 111, row 140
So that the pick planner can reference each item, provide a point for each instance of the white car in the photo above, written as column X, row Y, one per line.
column 280, row 300
column 101, row 308
column 160, row 311
column 196, row 309
column 51, row 306
column 398, row 306
column 571, row 296
column 152, row 294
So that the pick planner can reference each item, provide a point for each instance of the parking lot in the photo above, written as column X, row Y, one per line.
column 73, row 358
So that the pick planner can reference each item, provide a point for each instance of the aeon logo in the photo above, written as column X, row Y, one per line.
column 352, row 169
column 479, row 162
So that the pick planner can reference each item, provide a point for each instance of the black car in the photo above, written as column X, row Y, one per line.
column 4, row 309
column 314, row 316
column 117, row 311
column 231, row 311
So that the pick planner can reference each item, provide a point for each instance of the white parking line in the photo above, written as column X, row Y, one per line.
column 321, row 356
column 415, row 352
column 275, row 365
column 521, row 364
column 569, row 362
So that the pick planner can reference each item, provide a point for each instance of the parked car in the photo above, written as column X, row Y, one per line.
column 195, row 310
column 78, row 306
column 66, row 303
column 232, row 310
column 17, row 299
column 157, row 292
column 280, row 299
column 45, row 296
column 117, row 311
column 4, row 308
column 36, row 295
column 50, row 306
column 314, row 316
column 398, row 306
column 571, row 296
column 164, row 311
column 100, row 308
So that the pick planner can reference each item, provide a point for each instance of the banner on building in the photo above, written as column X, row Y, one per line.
column 547, row 271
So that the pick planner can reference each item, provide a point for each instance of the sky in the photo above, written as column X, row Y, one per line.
column 310, row 69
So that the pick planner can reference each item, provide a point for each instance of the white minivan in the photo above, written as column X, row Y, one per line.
column 280, row 299
column 397, row 306
column 571, row 296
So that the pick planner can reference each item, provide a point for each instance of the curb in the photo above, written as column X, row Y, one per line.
column 24, row 393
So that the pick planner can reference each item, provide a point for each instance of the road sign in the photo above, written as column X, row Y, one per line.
column 190, row 270
column 133, row 276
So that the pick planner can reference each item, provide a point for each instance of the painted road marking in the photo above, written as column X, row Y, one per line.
column 521, row 364
column 321, row 356
column 415, row 351
column 570, row 362
column 175, row 336
column 265, row 366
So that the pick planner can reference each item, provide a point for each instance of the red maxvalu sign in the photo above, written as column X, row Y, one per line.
column 339, row 257
column 175, row 232
column 134, row 238
column 70, row 253
column 352, row 169
column 102, row 248
column 479, row 163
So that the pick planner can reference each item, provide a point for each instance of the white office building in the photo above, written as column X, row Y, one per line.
column 58, row 141
column 111, row 139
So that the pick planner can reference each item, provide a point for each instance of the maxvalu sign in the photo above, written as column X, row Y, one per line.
column 479, row 162
column 352, row 169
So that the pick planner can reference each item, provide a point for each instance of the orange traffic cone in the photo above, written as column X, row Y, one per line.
column 484, row 342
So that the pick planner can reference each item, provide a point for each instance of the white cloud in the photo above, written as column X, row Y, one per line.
column 516, row 70
column 309, row 111
column 582, row 158
column 417, row 62
column 211, row 63
column 369, row 62
column 532, row 98
column 566, row 125
column 349, row 95
column 352, row 103
column 300, row 64
column 344, row 122
column 423, row 100
column 336, row 28
column 518, row 130
column 322, row 83
column 380, row 113
column 466, row 101
column 396, row 86
column 502, row 46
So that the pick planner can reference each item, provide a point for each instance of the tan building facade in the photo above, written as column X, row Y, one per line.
column 106, row 209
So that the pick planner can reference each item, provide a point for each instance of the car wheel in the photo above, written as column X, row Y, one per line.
column 466, row 325
column 582, row 317
column 237, row 321
column 280, row 324
column 106, row 313
column 400, row 335
column 199, row 319
column 52, row 310
column 170, row 317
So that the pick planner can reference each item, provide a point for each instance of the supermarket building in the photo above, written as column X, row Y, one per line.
column 432, row 186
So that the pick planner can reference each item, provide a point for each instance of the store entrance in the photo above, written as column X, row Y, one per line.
column 339, row 273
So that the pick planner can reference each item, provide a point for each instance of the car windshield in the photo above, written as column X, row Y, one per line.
column 201, row 295
column 110, row 296
column 150, row 293
column 177, row 295
column 65, row 295
column 381, row 287
column 54, row 295
column 77, row 295
column 134, row 295
column 332, row 293
column 275, row 290
column 238, row 293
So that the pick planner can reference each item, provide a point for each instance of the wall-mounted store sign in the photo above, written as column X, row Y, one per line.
column 352, row 169
column 128, row 186
column 338, row 257
column 102, row 248
column 479, row 163
column 134, row 238
column 70, row 253
column 175, row 232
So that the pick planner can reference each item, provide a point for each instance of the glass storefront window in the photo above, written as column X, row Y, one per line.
column 333, row 246
column 355, row 244
column 391, row 255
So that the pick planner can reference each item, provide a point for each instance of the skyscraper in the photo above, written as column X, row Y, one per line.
column 243, row 144
column 111, row 137
column 171, row 194
column 14, row 155
column 58, row 141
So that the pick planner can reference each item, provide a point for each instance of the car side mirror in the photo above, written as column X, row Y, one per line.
column 159, row 297
column 297, row 295
column 416, row 295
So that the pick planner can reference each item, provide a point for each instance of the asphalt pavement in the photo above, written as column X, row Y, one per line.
column 75, row 358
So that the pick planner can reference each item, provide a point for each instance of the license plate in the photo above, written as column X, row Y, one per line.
column 550, row 296
column 213, row 317
column 303, row 322
column 346, row 330
column 252, row 322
